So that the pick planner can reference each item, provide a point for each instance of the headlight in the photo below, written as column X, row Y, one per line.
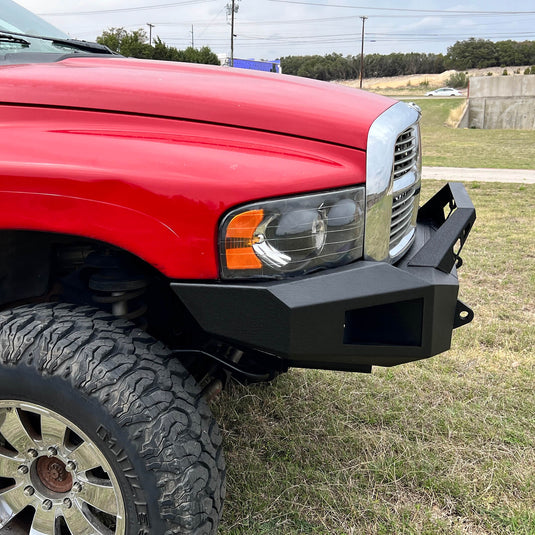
column 294, row 235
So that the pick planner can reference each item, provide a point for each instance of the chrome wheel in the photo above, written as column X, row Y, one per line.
column 53, row 479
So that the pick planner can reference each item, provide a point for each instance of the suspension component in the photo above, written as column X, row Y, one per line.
column 118, row 285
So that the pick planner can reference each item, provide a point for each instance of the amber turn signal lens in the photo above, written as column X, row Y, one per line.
column 239, row 240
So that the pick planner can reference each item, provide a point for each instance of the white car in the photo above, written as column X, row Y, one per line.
column 444, row 92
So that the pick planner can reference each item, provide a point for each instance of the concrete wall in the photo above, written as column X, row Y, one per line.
column 506, row 102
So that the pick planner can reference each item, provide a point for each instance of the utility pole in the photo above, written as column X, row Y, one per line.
column 151, row 26
column 192, row 38
column 232, row 9
column 362, row 51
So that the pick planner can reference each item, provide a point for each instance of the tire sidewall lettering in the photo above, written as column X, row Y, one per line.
column 128, row 471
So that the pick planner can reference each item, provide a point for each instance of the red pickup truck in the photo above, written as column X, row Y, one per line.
column 164, row 226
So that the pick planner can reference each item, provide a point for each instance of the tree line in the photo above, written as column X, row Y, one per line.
column 472, row 53
column 338, row 67
column 135, row 45
column 468, row 54
column 481, row 53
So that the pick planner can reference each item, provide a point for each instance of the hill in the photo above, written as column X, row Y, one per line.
column 409, row 84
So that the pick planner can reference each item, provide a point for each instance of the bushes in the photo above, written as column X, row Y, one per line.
column 458, row 80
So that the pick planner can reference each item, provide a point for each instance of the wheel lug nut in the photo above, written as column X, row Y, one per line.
column 28, row 491
column 77, row 487
column 52, row 452
column 47, row 505
column 33, row 453
column 22, row 469
column 71, row 466
column 67, row 503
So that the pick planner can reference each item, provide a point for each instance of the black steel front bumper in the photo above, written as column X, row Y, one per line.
column 367, row 313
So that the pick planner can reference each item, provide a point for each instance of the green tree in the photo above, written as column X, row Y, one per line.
column 112, row 38
column 527, row 52
column 134, row 44
column 509, row 53
column 163, row 52
column 472, row 53
column 202, row 55
column 130, row 44
column 207, row 56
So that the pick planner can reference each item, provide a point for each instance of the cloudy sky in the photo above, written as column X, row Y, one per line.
column 268, row 29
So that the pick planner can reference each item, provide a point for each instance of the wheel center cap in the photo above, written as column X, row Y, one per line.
column 53, row 474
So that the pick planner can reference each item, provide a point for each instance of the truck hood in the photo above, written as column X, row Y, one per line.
column 237, row 97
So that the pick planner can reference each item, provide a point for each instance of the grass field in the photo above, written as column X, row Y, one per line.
column 442, row 446
column 454, row 147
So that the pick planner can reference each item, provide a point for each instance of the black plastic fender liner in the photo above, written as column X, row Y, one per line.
column 364, row 314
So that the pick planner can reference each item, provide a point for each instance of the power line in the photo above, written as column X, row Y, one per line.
column 207, row 25
column 212, row 21
column 193, row 2
column 305, row 21
column 460, row 12
column 124, row 9
column 263, row 23
column 372, row 35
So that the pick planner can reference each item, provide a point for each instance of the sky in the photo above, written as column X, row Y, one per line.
column 270, row 29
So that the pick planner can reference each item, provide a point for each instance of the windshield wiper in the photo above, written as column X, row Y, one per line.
column 84, row 46
column 7, row 38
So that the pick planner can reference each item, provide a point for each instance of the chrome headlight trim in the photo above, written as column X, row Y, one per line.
column 382, row 138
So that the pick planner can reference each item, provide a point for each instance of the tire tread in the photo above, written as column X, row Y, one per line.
column 143, row 387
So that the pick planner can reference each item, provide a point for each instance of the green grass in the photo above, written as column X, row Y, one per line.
column 442, row 446
column 460, row 147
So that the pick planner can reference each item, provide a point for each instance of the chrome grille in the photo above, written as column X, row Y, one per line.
column 406, row 192
column 403, row 204
column 405, row 152
column 393, row 172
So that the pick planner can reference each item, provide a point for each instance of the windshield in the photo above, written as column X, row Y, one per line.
column 16, row 19
column 26, row 38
